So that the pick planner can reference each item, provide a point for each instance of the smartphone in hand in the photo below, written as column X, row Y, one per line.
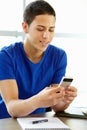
column 66, row 81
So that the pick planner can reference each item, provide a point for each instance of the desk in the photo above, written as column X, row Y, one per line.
column 74, row 124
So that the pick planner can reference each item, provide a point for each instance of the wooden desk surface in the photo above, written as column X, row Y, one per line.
column 74, row 124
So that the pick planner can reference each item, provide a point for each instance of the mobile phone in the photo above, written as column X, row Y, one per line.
column 66, row 81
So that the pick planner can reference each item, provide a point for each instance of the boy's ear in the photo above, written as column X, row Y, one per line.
column 25, row 27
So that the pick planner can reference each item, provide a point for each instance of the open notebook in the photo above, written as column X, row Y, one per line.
column 52, row 123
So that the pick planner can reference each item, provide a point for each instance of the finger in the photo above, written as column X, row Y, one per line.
column 71, row 94
column 71, row 88
column 57, row 89
column 54, row 85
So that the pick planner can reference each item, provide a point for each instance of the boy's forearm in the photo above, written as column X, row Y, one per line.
column 18, row 108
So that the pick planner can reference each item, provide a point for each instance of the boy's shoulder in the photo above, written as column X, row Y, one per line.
column 56, row 49
column 11, row 46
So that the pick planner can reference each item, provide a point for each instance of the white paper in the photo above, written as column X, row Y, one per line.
column 53, row 123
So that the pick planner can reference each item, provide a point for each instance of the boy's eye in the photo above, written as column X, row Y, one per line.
column 43, row 29
column 40, row 29
column 51, row 30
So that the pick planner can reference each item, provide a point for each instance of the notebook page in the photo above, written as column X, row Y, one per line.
column 53, row 123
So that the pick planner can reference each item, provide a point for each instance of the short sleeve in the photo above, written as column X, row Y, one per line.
column 6, row 66
column 60, row 66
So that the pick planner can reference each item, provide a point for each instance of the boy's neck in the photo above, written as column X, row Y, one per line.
column 33, row 54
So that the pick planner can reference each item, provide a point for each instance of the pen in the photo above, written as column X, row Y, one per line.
column 39, row 121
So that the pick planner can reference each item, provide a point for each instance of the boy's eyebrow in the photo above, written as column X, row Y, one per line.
column 45, row 27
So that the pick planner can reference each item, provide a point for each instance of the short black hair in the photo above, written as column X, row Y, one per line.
column 37, row 7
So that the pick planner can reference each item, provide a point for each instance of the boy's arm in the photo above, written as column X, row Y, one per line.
column 15, row 106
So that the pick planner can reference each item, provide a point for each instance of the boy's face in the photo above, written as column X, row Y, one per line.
column 40, row 32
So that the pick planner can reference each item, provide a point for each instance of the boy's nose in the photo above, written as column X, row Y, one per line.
column 45, row 35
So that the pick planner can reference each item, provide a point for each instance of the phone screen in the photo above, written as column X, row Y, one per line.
column 65, row 82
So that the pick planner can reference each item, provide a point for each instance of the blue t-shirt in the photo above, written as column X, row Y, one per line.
column 31, row 77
